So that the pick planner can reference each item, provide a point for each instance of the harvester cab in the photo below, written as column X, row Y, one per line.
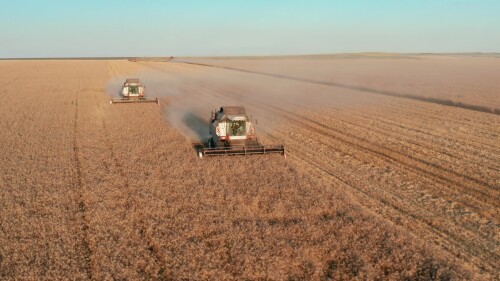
column 232, row 133
column 133, row 91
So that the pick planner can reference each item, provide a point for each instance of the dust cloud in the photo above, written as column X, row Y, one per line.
column 189, row 95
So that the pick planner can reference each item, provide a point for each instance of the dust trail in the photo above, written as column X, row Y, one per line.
column 182, row 111
column 193, row 92
column 113, row 87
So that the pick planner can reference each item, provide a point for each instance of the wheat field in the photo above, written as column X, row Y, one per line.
column 374, row 186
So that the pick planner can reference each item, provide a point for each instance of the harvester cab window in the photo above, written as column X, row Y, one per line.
column 132, row 90
column 237, row 128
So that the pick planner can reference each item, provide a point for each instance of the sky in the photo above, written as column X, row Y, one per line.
column 124, row 28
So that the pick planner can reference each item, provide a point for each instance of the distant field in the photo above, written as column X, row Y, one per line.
column 374, row 186
column 468, row 81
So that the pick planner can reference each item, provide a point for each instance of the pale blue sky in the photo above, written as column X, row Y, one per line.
column 57, row 28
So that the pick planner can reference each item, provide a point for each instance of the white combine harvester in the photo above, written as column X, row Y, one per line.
column 232, row 133
column 133, row 92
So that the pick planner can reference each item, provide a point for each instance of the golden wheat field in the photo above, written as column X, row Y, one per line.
column 378, row 184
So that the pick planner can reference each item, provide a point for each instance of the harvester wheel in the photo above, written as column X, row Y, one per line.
column 211, row 142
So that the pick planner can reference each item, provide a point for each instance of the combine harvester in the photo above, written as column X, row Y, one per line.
column 232, row 133
column 133, row 92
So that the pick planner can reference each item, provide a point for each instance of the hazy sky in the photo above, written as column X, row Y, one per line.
column 57, row 28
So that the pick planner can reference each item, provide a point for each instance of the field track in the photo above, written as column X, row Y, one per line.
column 375, row 186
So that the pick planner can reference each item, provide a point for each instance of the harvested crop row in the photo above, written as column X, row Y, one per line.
column 450, row 207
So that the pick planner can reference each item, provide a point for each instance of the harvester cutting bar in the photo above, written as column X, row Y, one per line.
column 139, row 100
column 242, row 150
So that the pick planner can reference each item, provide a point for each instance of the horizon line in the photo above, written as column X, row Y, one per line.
column 245, row 56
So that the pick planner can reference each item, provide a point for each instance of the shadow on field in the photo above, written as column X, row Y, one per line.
column 196, row 124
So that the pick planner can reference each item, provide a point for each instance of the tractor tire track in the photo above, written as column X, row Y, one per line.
column 82, row 208
column 391, row 204
column 413, row 155
column 418, row 225
column 465, row 144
